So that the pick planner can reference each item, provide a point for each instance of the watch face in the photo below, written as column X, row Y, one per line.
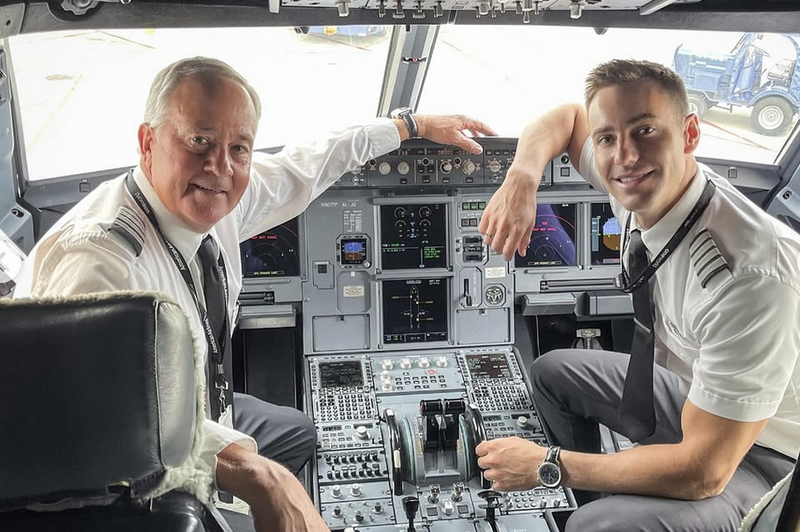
column 549, row 475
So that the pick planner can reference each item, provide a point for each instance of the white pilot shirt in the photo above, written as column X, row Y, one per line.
column 79, row 255
column 735, row 343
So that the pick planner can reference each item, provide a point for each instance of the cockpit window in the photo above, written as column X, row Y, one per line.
column 82, row 93
column 745, row 87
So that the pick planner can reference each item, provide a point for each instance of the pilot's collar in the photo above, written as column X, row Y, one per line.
column 659, row 235
column 176, row 231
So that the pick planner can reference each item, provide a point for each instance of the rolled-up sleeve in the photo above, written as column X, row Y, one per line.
column 217, row 437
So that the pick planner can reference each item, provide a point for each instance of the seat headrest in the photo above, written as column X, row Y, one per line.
column 95, row 392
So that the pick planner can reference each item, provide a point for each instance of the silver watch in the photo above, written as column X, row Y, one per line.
column 405, row 114
column 549, row 472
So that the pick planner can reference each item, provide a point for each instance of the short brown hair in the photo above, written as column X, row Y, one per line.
column 622, row 71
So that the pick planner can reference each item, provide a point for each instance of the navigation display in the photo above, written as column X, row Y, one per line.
column 553, row 238
column 606, row 235
column 273, row 253
column 415, row 310
column 413, row 236
column 341, row 374
column 488, row 366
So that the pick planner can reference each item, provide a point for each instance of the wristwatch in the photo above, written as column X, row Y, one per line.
column 549, row 472
column 404, row 113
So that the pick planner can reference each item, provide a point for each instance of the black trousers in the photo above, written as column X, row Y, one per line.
column 575, row 389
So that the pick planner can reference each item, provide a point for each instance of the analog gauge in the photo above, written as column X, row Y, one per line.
column 494, row 295
column 425, row 211
column 400, row 212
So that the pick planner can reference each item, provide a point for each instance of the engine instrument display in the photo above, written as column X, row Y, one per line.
column 553, row 238
column 341, row 374
column 606, row 235
column 488, row 366
column 413, row 236
column 273, row 253
column 415, row 310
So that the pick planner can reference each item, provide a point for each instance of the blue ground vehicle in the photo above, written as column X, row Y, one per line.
column 745, row 77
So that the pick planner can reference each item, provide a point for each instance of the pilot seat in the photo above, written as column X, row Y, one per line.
column 100, row 416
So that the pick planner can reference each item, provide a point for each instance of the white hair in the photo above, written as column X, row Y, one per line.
column 203, row 68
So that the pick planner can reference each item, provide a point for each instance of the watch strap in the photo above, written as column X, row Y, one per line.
column 405, row 115
column 553, row 452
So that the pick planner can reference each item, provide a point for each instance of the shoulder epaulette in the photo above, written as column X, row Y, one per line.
column 706, row 258
column 130, row 226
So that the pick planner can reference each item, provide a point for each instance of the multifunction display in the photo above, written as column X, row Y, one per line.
column 273, row 253
column 415, row 310
column 606, row 235
column 413, row 236
column 341, row 374
column 488, row 366
column 553, row 238
column 353, row 251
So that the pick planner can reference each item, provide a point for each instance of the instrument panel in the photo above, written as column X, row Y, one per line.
column 408, row 331
column 397, row 434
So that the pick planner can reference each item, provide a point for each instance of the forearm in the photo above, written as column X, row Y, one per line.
column 273, row 493
column 657, row 470
column 544, row 139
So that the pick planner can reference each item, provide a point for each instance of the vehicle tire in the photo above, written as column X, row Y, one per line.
column 771, row 116
column 698, row 105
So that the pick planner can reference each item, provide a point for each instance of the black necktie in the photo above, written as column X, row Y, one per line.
column 217, row 309
column 636, row 409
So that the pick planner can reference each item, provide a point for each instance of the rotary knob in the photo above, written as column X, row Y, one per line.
column 355, row 490
column 359, row 516
column 386, row 386
column 522, row 421
column 361, row 432
column 494, row 166
column 337, row 511
column 423, row 362
column 468, row 167
column 405, row 363
column 384, row 168
column 336, row 492
column 386, row 376
column 387, row 364
column 378, row 508
column 403, row 168
column 441, row 361
column 447, row 508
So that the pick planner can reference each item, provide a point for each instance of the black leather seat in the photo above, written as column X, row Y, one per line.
column 97, row 401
